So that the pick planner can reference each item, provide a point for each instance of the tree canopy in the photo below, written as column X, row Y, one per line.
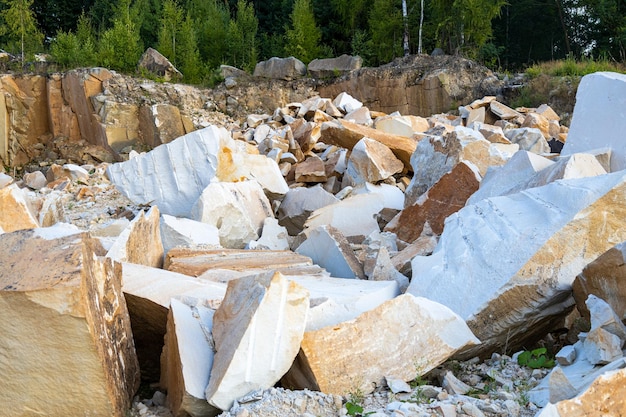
column 200, row 35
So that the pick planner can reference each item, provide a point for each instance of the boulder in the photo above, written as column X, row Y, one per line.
column 298, row 205
column 257, row 332
column 404, row 337
column 35, row 180
column 354, row 216
column 140, row 243
column 189, row 354
column 280, row 68
column 604, row 277
column 328, row 248
column 445, row 197
column 154, row 62
column 606, row 393
column 511, row 302
column 237, row 209
column 174, row 175
column 148, row 292
column 346, row 134
column 64, row 320
column 346, row 103
column 311, row 170
column 371, row 161
column 596, row 121
column 186, row 232
column 273, row 237
column 529, row 139
column 334, row 67
column 16, row 212
column 437, row 155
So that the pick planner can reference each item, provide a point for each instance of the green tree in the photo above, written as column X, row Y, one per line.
column 386, row 31
column 242, row 37
column 190, row 63
column 21, row 27
column 211, row 21
column 171, row 20
column 465, row 25
column 71, row 50
column 120, row 47
column 148, row 14
column 303, row 37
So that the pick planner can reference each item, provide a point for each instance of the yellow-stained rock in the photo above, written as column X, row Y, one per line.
column 347, row 134
column 402, row 338
column 15, row 211
column 67, row 347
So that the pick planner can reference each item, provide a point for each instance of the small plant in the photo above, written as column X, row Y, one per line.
column 535, row 359
column 354, row 405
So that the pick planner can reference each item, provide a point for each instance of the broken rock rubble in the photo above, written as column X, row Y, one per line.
column 236, row 182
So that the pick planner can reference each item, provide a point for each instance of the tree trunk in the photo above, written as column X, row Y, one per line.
column 419, row 45
column 405, row 20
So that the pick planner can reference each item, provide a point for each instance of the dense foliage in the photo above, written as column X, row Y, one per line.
column 199, row 35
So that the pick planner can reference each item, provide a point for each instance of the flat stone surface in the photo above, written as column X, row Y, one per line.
column 597, row 120
column 64, row 319
column 549, row 229
column 257, row 332
column 328, row 248
column 405, row 330
column 445, row 197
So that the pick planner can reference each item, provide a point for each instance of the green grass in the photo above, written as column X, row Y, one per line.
column 572, row 67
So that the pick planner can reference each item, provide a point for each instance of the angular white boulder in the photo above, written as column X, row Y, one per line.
column 328, row 248
column 177, row 231
column 298, row 205
column 189, row 356
column 598, row 117
column 257, row 332
column 172, row 176
column 237, row 209
column 273, row 236
column 544, row 234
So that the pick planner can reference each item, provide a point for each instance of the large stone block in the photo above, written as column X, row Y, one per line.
column 447, row 196
column 67, row 347
column 334, row 67
column 547, row 235
column 237, row 209
column 401, row 338
column 174, row 175
column 16, row 212
column 597, row 121
column 257, row 332
column 280, row 68
column 140, row 243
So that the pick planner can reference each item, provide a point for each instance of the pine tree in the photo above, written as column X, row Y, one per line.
column 21, row 26
column 303, row 37
column 171, row 20
column 190, row 63
column 386, row 31
column 120, row 47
